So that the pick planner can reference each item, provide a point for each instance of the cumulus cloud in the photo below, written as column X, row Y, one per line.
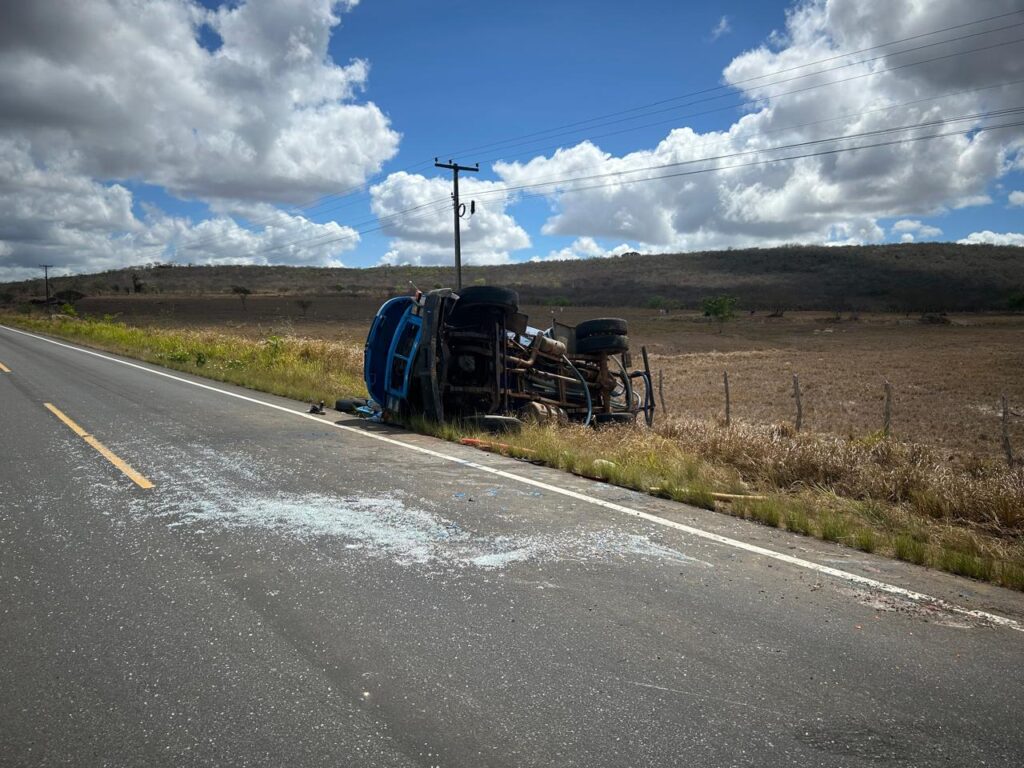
column 423, row 235
column 238, row 104
column 584, row 248
column 988, row 237
column 912, row 227
column 835, row 198
column 1016, row 198
column 121, row 89
column 67, row 219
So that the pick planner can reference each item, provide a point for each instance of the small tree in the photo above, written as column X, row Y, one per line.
column 242, row 293
column 304, row 305
column 720, row 309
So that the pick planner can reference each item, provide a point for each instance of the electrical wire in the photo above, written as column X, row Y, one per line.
column 363, row 188
column 811, row 142
column 758, row 77
column 794, row 78
column 748, row 164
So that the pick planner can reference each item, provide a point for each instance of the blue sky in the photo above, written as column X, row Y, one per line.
column 480, row 73
column 198, row 133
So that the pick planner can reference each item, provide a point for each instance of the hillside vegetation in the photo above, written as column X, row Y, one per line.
column 927, row 277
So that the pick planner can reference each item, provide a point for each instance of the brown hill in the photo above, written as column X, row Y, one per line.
column 927, row 277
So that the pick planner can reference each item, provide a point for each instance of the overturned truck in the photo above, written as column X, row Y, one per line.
column 472, row 356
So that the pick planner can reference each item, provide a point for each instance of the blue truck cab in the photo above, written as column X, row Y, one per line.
column 391, row 347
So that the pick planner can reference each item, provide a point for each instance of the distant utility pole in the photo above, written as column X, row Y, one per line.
column 46, row 278
column 455, row 168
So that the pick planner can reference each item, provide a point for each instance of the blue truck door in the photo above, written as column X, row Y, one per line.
column 405, row 343
column 379, row 342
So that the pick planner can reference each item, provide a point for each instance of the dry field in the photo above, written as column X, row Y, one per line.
column 947, row 379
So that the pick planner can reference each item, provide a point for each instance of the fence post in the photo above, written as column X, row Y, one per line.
column 661, row 394
column 799, row 405
column 728, row 409
column 1007, row 447
column 887, row 424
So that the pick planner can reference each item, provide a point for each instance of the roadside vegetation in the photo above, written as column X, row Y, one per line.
column 870, row 493
column 291, row 366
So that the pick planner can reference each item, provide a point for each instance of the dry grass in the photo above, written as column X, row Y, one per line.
column 987, row 494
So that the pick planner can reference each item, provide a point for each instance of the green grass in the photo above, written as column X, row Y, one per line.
column 764, row 511
column 798, row 521
column 910, row 549
column 833, row 527
column 966, row 564
column 1010, row 575
column 865, row 540
column 303, row 369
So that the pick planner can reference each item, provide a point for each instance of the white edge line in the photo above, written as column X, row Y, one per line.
column 866, row 581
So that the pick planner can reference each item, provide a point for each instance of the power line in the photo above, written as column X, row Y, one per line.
column 323, row 200
column 215, row 240
column 819, row 153
column 770, row 74
column 864, row 134
column 792, row 126
column 823, row 153
column 550, row 131
column 752, row 102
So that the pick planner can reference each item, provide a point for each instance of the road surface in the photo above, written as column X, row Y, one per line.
column 295, row 591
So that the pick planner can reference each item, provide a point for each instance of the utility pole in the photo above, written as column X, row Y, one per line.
column 46, row 278
column 455, row 168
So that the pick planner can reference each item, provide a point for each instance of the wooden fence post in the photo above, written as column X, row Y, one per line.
column 1007, row 447
column 728, row 409
column 887, row 423
column 661, row 394
column 799, row 405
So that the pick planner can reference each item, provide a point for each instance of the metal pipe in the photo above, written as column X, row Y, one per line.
column 586, row 390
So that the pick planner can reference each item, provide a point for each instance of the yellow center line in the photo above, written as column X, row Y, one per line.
column 105, row 452
column 4, row 368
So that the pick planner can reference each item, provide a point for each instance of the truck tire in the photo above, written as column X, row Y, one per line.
column 602, row 326
column 593, row 345
column 479, row 303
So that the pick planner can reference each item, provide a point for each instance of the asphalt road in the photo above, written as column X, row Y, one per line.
column 291, row 592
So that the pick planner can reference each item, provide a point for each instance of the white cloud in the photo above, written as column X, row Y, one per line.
column 833, row 199
column 993, row 238
column 424, row 234
column 1016, row 198
column 583, row 248
column 67, row 219
column 723, row 27
column 914, row 227
column 99, row 92
column 119, row 89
